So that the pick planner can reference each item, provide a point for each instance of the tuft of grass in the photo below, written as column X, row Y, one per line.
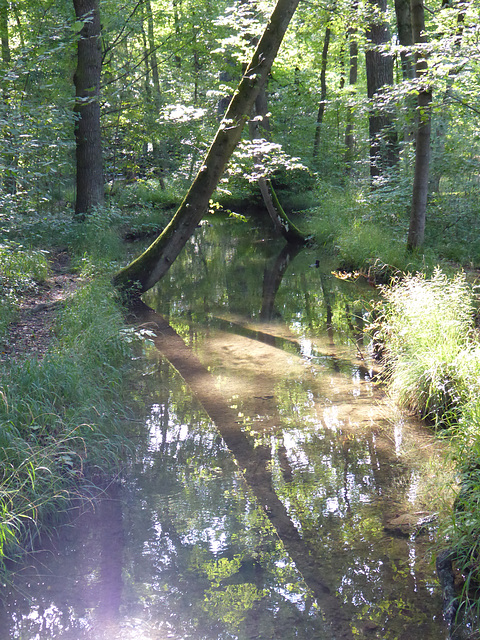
column 427, row 328
column 61, row 418
column 432, row 355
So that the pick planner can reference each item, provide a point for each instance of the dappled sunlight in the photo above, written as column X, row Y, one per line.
column 267, row 476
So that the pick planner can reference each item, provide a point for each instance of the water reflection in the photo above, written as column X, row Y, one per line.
column 265, row 474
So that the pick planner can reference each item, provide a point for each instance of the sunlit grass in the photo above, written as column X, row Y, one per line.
column 432, row 356
column 61, row 417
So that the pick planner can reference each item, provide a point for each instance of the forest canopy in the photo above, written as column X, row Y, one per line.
column 362, row 97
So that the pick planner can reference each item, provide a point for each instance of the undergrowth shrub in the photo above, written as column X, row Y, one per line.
column 21, row 270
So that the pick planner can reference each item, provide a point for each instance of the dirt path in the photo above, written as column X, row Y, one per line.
column 33, row 330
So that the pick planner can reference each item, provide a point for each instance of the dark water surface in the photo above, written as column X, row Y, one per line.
column 268, row 465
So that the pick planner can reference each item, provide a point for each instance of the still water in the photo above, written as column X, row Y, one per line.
column 269, row 468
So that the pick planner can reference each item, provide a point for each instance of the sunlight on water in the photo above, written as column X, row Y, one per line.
column 266, row 475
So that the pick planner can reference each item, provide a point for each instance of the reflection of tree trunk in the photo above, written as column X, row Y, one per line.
column 306, row 297
column 272, row 278
column 141, row 274
column 329, row 312
column 112, row 542
column 254, row 461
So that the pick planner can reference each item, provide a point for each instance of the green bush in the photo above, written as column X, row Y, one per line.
column 21, row 270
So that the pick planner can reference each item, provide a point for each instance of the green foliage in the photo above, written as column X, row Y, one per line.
column 60, row 417
column 427, row 328
column 20, row 272
column 432, row 354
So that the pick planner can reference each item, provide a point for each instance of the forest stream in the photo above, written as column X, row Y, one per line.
column 273, row 491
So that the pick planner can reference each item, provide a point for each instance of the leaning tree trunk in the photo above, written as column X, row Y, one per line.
column 282, row 224
column 141, row 274
column 416, row 231
column 90, row 187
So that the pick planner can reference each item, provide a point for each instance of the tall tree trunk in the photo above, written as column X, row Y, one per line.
column 352, row 81
column 441, row 128
column 147, row 269
column 405, row 37
column 9, row 181
column 323, row 92
column 90, row 186
column 379, row 67
column 416, row 231
column 157, row 94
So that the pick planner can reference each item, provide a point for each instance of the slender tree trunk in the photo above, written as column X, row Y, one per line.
column 379, row 67
column 9, row 181
column 352, row 81
column 405, row 37
column 152, row 54
column 157, row 94
column 441, row 128
column 148, row 268
column 6, row 56
column 323, row 92
column 90, row 186
column 416, row 230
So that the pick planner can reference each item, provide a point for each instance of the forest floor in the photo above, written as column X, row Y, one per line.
column 33, row 330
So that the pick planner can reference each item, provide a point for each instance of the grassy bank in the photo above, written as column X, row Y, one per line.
column 427, row 327
column 61, row 416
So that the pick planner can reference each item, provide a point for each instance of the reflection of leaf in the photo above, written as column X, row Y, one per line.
column 221, row 569
column 231, row 603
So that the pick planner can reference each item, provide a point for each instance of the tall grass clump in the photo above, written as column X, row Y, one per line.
column 432, row 366
column 427, row 329
column 61, row 417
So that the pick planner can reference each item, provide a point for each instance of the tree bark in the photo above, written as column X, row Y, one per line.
column 379, row 67
column 9, row 180
column 141, row 274
column 323, row 92
column 352, row 81
column 416, row 232
column 405, row 37
column 90, row 185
